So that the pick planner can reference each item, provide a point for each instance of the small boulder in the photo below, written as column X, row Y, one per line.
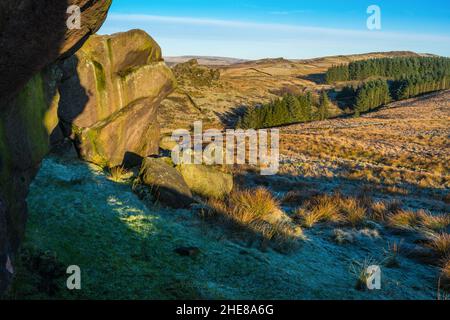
column 165, row 183
column 206, row 181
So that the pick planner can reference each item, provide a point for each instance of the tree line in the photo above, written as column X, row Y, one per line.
column 287, row 110
column 375, row 93
column 406, row 88
column 390, row 68
column 396, row 79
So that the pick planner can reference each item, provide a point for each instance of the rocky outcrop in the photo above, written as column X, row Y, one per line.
column 165, row 183
column 191, row 73
column 206, row 181
column 33, row 34
column 111, row 91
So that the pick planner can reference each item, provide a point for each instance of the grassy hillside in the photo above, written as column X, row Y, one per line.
column 249, row 83
column 372, row 190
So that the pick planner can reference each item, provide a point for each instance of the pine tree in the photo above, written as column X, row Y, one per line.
column 323, row 110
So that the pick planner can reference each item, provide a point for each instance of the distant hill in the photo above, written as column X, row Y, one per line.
column 215, row 89
column 202, row 60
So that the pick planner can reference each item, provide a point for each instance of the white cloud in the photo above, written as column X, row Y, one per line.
column 180, row 35
column 276, row 27
column 289, row 12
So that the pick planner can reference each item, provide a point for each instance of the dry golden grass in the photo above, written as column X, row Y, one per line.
column 379, row 211
column 335, row 209
column 118, row 174
column 418, row 220
column 253, row 205
column 352, row 211
column 326, row 207
column 403, row 219
column 375, row 148
column 441, row 244
column 257, row 210
column 434, row 222
column 309, row 218
column 320, row 209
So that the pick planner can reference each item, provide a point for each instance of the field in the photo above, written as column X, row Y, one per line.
column 402, row 149
column 366, row 191
column 246, row 84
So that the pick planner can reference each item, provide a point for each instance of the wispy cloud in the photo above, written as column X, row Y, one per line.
column 288, row 12
column 277, row 27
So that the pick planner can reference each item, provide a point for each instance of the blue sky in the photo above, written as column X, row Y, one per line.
column 255, row 29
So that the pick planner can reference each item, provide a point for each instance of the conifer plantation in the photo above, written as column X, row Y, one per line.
column 287, row 110
column 372, row 95
column 382, row 81
column 390, row 68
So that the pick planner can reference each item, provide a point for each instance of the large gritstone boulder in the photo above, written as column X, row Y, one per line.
column 110, row 93
column 33, row 34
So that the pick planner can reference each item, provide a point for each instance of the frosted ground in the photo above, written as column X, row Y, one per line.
column 126, row 250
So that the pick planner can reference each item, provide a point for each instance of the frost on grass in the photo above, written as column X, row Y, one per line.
column 125, row 250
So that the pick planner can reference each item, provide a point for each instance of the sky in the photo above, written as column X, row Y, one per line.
column 293, row 29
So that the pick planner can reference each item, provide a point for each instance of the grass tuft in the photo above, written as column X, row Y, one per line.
column 404, row 220
column 441, row 243
column 118, row 174
column 436, row 223
column 392, row 253
column 353, row 212
column 379, row 211
column 249, row 206
column 258, row 211
column 360, row 271
column 320, row 209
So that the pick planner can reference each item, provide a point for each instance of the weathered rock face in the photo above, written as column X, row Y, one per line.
column 165, row 183
column 33, row 34
column 111, row 90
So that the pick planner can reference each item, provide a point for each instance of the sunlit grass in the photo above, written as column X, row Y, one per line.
column 118, row 174
column 257, row 210
column 441, row 243
column 403, row 219
column 252, row 205
column 352, row 211
column 434, row 222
